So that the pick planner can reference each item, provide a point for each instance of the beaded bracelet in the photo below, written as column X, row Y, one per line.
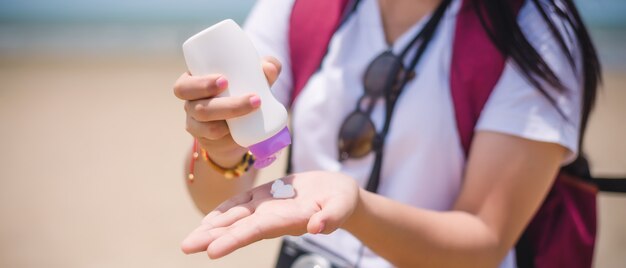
column 229, row 173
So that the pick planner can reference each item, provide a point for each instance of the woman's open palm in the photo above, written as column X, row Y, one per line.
column 323, row 201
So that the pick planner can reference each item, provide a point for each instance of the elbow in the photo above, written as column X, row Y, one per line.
column 487, row 252
column 202, row 209
column 487, row 257
column 488, row 249
column 490, row 258
column 490, row 255
column 203, row 205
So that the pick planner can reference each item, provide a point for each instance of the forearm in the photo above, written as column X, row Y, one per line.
column 412, row 237
column 210, row 188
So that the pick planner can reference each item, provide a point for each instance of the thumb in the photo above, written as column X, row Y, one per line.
column 329, row 218
column 271, row 68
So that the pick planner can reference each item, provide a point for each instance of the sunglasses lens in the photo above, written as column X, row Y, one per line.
column 381, row 74
column 357, row 131
column 355, row 136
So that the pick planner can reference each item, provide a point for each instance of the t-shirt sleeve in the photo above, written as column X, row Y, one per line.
column 517, row 108
column 268, row 25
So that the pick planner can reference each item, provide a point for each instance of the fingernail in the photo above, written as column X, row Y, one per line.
column 322, row 225
column 221, row 82
column 255, row 101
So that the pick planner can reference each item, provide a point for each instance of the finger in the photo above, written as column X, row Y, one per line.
column 329, row 218
column 230, row 216
column 210, row 227
column 236, row 200
column 212, row 109
column 213, row 130
column 243, row 233
column 271, row 68
column 189, row 87
column 200, row 238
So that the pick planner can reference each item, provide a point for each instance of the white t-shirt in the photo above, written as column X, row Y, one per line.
column 423, row 157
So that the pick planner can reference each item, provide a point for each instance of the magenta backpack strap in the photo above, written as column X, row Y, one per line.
column 311, row 26
column 474, row 71
column 562, row 232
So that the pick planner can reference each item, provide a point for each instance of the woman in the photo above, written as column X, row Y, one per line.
column 431, row 207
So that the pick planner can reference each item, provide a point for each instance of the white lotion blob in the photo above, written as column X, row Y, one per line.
column 281, row 190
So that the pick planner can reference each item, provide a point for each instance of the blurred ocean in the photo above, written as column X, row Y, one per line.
column 75, row 27
column 108, row 27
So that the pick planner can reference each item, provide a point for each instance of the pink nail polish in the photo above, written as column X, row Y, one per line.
column 321, row 228
column 221, row 82
column 255, row 101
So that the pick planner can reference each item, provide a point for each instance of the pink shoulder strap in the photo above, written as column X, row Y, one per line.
column 474, row 71
column 311, row 26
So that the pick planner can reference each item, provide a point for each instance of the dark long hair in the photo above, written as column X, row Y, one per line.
column 509, row 39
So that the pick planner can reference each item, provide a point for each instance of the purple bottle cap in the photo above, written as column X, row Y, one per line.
column 265, row 151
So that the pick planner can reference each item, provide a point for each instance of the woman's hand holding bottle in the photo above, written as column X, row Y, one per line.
column 207, row 112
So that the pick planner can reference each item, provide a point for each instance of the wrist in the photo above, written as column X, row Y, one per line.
column 226, row 158
column 232, row 164
column 356, row 218
column 231, row 172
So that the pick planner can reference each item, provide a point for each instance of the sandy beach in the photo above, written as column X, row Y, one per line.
column 92, row 176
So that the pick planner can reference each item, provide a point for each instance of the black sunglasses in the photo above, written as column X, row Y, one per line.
column 385, row 77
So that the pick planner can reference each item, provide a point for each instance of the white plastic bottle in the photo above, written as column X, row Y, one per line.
column 225, row 49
